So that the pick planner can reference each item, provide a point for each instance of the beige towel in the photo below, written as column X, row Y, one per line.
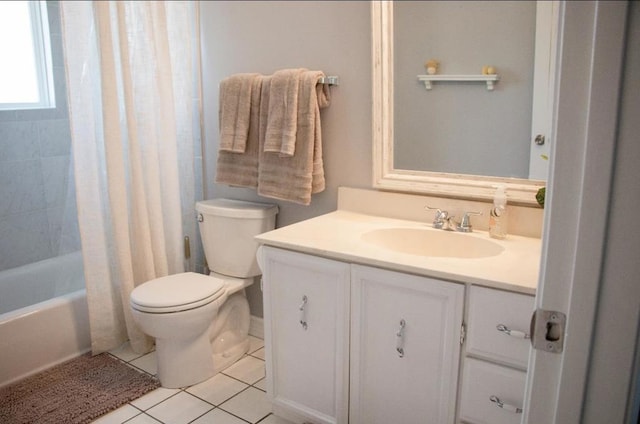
column 280, row 134
column 294, row 178
column 241, row 169
column 234, row 111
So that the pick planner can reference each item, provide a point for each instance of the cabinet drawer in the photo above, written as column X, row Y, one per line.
column 481, row 381
column 489, row 309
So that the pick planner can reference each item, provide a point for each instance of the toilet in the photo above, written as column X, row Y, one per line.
column 201, row 322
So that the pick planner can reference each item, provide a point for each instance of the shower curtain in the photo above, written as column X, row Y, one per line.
column 131, row 88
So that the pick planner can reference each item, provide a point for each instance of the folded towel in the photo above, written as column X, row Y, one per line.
column 280, row 135
column 234, row 111
column 294, row 178
column 241, row 169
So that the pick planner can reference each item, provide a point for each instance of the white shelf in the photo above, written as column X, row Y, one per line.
column 488, row 79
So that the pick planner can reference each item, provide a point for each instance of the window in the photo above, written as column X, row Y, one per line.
column 26, row 79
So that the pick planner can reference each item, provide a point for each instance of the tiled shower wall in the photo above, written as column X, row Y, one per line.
column 38, row 218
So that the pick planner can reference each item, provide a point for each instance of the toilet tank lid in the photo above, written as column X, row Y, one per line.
column 236, row 208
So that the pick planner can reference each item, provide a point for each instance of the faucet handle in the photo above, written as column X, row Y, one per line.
column 465, row 224
column 440, row 214
column 439, row 218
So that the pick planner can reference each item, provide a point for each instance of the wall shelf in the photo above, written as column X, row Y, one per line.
column 488, row 79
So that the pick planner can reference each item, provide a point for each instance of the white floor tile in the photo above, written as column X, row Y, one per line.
column 248, row 369
column 179, row 409
column 153, row 398
column 118, row 416
column 259, row 353
column 272, row 419
column 125, row 352
column 217, row 389
column 147, row 362
column 256, row 344
column 218, row 416
column 143, row 419
column 262, row 384
column 251, row 405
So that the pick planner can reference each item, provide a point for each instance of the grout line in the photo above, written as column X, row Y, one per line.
column 156, row 404
column 264, row 418
column 147, row 415
column 226, row 412
column 202, row 415
column 243, row 390
column 184, row 389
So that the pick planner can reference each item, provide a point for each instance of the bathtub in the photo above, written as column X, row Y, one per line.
column 43, row 316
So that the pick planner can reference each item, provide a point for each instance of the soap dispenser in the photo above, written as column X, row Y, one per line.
column 498, row 216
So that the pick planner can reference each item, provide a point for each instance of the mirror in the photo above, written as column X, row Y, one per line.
column 397, row 170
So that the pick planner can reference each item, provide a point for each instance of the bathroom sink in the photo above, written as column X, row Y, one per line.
column 434, row 243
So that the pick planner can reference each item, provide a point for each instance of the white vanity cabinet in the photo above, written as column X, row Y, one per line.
column 403, row 332
column 497, row 351
column 405, row 347
column 306, row 302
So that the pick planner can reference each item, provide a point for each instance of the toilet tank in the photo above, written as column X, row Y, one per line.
column 227, row 228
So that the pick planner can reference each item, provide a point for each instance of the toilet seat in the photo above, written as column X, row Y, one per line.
column 175, row 293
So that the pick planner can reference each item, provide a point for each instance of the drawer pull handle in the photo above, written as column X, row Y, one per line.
column 303, row 317
column 400, row 339
column 505, row 406
column 513, row 333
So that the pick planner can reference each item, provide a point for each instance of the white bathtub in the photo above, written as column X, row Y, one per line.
column 37, row 336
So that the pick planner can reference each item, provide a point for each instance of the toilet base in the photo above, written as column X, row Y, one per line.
column 224, row 360
column 173, row 374
column 187, row 361
column 184, row 363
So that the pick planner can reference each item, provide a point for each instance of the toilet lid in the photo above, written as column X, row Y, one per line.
column 176, row 292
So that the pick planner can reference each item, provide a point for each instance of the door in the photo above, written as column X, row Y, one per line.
column 585, row 118
column 306, row 302
column 405, row 347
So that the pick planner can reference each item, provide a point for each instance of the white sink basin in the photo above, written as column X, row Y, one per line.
column 434, row 243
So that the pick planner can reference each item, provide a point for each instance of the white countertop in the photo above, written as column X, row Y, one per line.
column 339, row 235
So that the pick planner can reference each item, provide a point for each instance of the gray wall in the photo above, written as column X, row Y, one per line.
column 38, row 218
column 264, row 37
column 462, row 127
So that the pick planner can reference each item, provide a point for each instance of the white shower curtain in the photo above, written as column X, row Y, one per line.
column 131, row 87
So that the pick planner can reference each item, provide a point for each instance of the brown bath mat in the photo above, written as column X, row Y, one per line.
column 75, row 392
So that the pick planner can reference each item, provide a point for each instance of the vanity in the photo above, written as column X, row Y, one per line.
column 373, row 316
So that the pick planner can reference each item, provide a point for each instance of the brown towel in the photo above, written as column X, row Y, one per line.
column 280, row 134
column 241, row 169
column 294, row 178
column 234, row 111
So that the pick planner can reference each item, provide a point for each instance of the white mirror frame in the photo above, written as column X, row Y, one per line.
column 385, row 176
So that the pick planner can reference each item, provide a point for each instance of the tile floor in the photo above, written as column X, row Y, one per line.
column 234, row 396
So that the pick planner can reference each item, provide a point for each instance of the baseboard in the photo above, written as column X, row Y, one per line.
column 256, row 327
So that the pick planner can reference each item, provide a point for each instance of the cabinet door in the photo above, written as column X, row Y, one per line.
column 405, row 347
column 306, row 301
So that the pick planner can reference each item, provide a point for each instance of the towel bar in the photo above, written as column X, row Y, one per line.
column 331, row 80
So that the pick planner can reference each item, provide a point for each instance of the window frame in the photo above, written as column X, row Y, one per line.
column 43, row 60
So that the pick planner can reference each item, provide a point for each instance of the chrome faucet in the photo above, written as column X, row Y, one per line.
column 443, row 221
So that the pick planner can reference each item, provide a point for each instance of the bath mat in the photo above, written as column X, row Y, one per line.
column 74, row 392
